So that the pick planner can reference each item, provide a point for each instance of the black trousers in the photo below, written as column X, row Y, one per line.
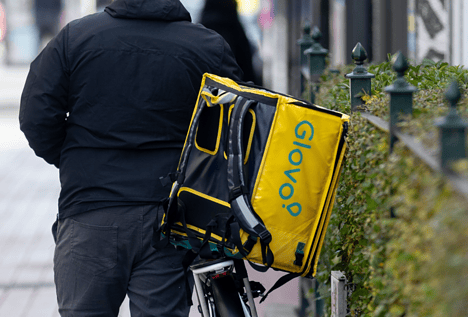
column 101, row 256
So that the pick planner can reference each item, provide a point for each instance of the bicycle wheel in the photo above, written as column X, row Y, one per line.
column 227, row 300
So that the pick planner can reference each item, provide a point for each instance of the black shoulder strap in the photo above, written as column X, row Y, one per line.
column 240, row 204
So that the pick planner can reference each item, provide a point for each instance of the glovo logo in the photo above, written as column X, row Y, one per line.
column 304, row 133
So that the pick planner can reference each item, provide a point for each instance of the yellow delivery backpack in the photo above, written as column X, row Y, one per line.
column 257, row 177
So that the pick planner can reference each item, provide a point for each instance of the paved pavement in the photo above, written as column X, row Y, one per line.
column 29, row 189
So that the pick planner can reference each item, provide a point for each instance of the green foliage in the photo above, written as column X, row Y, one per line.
column 426, row 265
column 415, row 264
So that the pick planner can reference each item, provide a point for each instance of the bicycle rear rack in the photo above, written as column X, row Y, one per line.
column 219, row 268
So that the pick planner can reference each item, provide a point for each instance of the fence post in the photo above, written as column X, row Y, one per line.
column 452, row 130
column 305, row 285
column 316, row 57
column 305, row 43
column 339, row 294
column 360, row 78
column 318, row 303
column 310, row 305
column 401, row 95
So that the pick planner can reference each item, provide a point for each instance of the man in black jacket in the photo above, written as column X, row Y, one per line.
column 109, row 102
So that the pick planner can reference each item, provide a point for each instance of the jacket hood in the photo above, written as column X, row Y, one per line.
column 166, row 10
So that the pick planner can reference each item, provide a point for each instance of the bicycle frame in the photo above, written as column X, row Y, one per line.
column 223, row 297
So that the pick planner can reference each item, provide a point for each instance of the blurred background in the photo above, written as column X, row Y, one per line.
column 434, row 29
column 27, row 25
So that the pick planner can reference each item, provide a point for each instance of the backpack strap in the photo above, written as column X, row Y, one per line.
column 244, row 249
column 280, row 282
column 239, row 193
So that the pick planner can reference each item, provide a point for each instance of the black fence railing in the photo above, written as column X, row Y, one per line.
column 452, row 128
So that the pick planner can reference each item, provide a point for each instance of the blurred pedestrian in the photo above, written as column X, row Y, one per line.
column 109, row 102
column 47, row 14
column 222, row 17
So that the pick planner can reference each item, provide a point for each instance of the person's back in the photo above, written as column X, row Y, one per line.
column 109, row 102
column 131, row 79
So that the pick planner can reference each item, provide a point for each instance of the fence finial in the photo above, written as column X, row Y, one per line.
column 305, row 42
column 306, row 29
column 453, row 95
column 316, row 34
column 359, row 54
column 401, row 95
column 360, row 78
column 400, row 66
column 452, row 130
column 316, row 53
column 316, row 56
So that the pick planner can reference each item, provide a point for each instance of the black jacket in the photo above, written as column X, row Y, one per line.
column 110, row 99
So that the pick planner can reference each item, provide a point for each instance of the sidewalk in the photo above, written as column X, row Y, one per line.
column 29, row 190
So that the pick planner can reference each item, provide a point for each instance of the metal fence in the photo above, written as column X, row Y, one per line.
column 452, row 135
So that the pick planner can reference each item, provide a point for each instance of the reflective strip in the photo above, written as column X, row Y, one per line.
column 246, row 212
column 175, row 187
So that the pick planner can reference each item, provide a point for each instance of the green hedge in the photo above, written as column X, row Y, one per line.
column 414, row 264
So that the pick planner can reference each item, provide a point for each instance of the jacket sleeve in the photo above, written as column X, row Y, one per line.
column 43, row 108
column 229, row 67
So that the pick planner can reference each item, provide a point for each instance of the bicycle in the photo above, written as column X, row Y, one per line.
column 223, row 289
